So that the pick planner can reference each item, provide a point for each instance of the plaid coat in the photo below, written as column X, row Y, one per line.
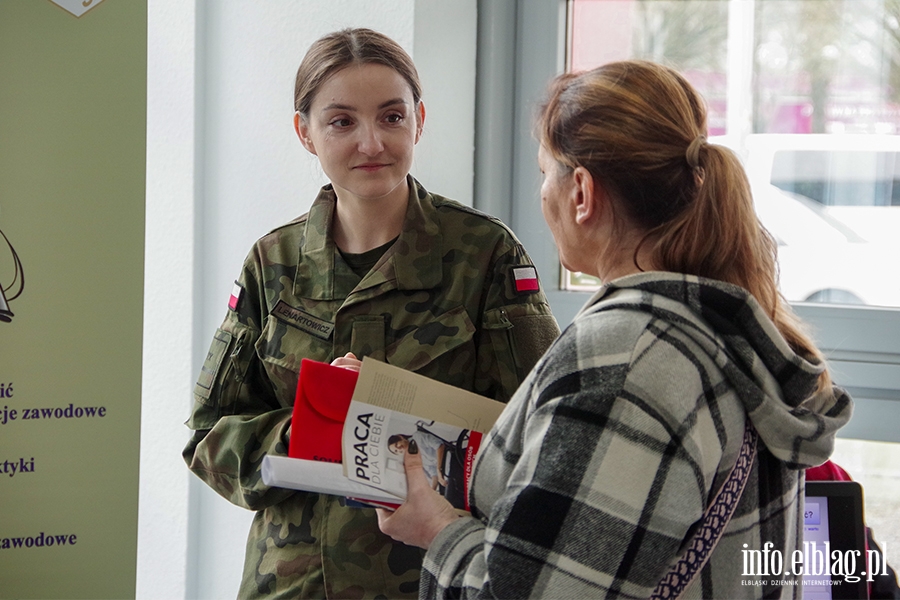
column 591, row 481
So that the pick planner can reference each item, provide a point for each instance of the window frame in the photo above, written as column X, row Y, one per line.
column 521, row 46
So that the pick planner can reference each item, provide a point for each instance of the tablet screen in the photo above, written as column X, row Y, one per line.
column 834, row 547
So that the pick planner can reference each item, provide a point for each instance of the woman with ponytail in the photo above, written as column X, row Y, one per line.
column 661, row 440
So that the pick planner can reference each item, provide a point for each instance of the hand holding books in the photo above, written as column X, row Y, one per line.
column 424, row 514
column 353, row 422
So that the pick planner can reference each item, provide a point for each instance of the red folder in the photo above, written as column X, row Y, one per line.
column 320, row 407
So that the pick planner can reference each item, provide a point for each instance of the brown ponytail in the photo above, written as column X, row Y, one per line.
column 640, row 128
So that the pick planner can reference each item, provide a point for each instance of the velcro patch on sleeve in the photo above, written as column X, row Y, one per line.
column 236, row 292
column 526, row 279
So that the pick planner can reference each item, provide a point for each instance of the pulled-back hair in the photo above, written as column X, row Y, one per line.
column 335, row 51
column 639, row 128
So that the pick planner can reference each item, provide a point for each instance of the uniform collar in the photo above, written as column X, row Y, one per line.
column 412, row 263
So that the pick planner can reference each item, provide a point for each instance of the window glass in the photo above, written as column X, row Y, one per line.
column 689, row 35
column 874, row 466
column 807, row 92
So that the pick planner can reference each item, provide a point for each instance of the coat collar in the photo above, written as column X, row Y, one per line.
column 412, row 263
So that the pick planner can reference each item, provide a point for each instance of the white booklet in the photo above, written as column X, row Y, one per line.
column 393, row 409
column 318, row 476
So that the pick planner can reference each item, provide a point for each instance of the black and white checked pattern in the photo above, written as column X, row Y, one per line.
column 596, row 476
column 715, row 519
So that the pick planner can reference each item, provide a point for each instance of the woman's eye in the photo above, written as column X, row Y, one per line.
column 343, row 122
column 394, row 118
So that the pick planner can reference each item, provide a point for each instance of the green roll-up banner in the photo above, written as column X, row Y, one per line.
column 72, row 168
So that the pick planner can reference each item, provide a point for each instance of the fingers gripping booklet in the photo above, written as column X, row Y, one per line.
column 389, row 409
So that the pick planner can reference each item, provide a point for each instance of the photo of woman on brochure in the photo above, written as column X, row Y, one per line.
column 446, row 452
column 432, row 449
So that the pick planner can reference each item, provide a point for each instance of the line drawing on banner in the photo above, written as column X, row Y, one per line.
column 6, row 314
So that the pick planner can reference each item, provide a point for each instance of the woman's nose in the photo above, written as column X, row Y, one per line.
column 370, row 142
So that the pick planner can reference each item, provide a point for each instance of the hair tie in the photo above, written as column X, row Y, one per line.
column 692, row 154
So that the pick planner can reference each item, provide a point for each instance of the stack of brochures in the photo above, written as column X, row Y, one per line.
column 350, row 432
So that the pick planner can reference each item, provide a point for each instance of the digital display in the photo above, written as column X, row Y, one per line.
column 815, row 532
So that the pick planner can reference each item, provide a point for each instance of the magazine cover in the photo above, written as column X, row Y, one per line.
column 392, row 408
column 380, row 438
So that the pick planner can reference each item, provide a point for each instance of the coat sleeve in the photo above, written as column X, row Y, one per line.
column 592, row 492
column 236, row 417
column 517, row 326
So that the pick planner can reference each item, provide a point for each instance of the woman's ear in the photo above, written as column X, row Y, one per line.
column 420, row 120
column 302, row 129
column 585, row 195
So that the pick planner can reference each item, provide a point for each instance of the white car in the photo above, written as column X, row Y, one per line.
column 842, row 246
column 820, row 258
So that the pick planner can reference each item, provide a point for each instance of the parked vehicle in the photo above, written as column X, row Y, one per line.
column 833, row 204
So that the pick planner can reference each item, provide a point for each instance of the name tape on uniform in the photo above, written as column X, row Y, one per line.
column 303, row 320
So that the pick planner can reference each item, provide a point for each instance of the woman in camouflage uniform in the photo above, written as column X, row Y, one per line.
column 379, row 267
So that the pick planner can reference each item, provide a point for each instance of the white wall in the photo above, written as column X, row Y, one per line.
column 169, row 298
column 444, row 51
column 223, row 168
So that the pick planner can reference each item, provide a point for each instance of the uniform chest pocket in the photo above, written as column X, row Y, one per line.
column 281, row 347
column 431, row 339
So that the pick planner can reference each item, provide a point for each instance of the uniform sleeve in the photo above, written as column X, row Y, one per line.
column 598, row 502
column 236, row 418
column 516, row 323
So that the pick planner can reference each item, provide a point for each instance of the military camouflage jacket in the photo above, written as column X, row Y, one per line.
column 443, row 301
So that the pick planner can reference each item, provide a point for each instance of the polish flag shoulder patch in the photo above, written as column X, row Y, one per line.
column 525, row 279
column 236, row 292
